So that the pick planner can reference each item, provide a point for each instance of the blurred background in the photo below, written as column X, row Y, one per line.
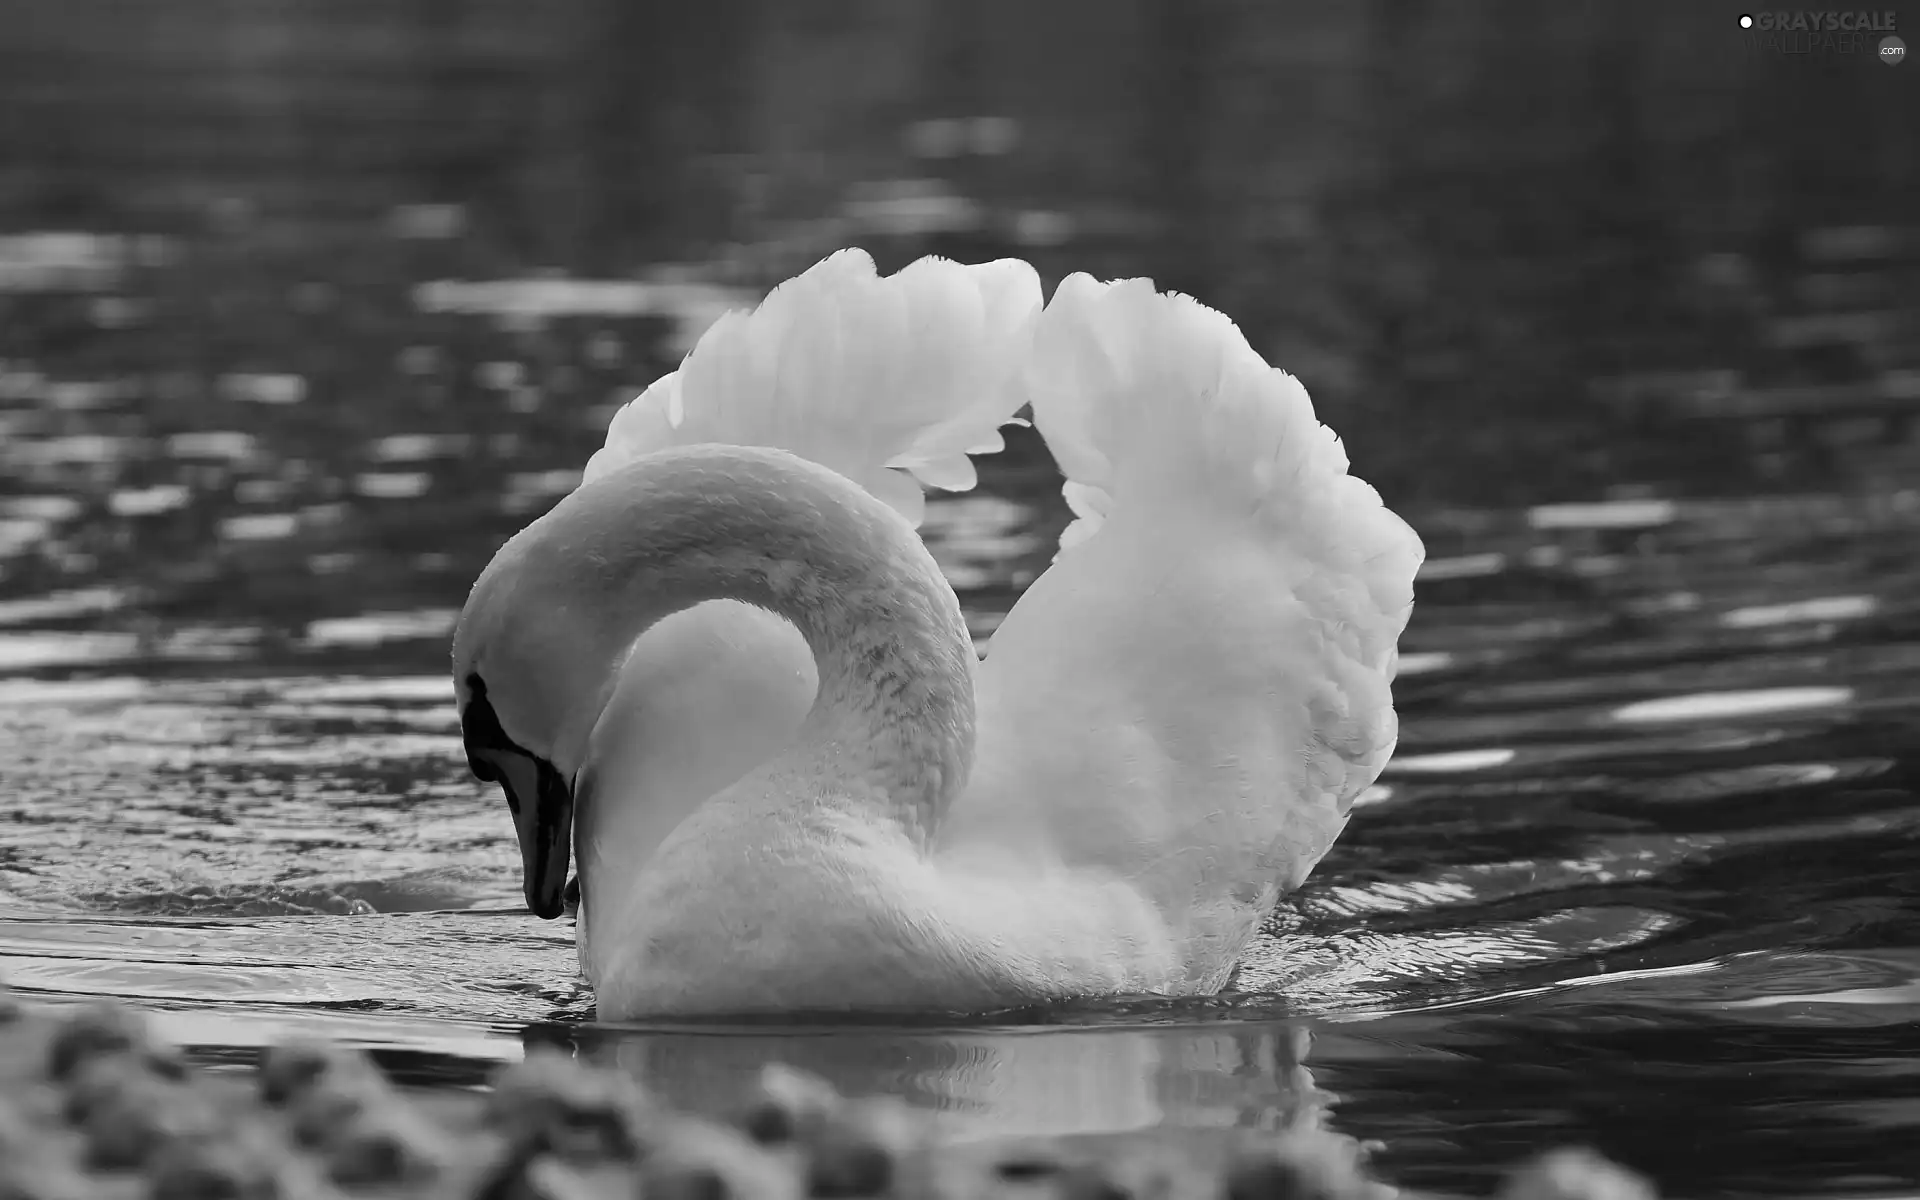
column 307, row 305
column 284, row 280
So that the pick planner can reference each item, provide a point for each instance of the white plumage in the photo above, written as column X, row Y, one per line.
column 1172, row 723
column 887, row 380
column 1191, row 697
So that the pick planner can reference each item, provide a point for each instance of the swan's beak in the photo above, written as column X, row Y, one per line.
column 540, row 797
column 542, row 804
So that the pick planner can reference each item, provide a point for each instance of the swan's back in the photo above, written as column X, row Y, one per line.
column 1193, row 695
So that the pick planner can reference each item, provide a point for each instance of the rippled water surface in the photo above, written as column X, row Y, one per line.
column 1644, row 873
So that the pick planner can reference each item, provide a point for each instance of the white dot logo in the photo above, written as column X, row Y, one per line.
column 1893, row 51
column 1746, row 22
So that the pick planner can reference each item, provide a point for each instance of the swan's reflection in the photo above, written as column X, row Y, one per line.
column 986, row 1083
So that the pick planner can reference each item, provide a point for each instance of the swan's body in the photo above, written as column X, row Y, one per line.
column 816, row 799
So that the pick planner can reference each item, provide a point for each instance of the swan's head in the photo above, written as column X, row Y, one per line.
column 539, row 649
column 535, row 655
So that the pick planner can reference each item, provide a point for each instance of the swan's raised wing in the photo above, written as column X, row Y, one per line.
column 1194, row 693
column 891, row 381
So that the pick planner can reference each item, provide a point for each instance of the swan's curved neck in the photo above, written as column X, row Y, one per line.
column 894, row 708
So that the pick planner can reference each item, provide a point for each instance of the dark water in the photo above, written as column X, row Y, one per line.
column 1644, row 874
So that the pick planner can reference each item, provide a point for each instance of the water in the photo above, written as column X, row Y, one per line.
column 1642, row 874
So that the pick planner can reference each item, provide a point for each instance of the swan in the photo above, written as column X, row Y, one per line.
column 726, row 674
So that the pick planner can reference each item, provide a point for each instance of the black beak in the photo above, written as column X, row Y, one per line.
column 544, row 822
column 540, row 798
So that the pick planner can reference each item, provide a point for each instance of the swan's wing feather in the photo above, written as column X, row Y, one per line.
column 1194, row 693
column 891, row 381
column 1161, row 390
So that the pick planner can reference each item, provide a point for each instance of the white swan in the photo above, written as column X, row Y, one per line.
column 833, row 806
